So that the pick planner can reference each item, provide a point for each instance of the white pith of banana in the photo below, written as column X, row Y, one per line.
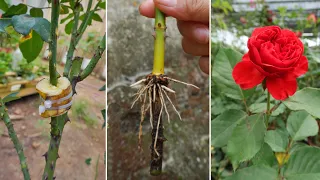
column 56, row 100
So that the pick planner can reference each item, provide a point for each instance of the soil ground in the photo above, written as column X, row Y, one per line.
column 81, row 140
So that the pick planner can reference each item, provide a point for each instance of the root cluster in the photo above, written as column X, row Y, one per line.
column 155, row 87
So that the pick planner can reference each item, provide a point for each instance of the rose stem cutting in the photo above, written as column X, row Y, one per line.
column 154, row 91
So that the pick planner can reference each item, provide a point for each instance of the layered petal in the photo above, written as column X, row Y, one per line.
column 281, row 87
column 246, row 75
column 302, row 67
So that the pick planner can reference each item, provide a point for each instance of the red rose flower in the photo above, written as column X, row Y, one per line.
column 276, row 56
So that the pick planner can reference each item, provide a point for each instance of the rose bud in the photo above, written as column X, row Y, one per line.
column 312, row 18
column 299, row 34
column 276, row 56
column 243, row 20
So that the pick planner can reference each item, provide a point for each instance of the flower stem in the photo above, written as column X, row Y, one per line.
column 268, row 110
column 159, row 43
column 13, row 136
column 53, row 41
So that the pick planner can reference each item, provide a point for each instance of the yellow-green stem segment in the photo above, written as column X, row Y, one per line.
column 159, row 43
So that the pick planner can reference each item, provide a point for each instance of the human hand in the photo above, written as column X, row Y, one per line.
column 192, row 21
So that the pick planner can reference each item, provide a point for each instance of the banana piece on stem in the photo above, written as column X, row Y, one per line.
column 56, row 99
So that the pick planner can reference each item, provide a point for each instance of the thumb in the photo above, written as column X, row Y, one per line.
column 185, row 10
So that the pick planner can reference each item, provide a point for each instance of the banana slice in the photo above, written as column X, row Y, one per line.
column 56, row 99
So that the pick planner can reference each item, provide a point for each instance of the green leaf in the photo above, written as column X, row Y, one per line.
column 96, row 17
column 88, row 161
column 32, row 47
column 66, row 18
column 3, row 5
column 277, row 140
column 3, row 24
column 16, row 10
column 36, row 12
column 69, row 26
column 265, row 156
column 223, row 125
column 254, row 173
column 246, row 140
column 307, row 99
column 300, row 125
column 23, row 24
column 102, row 4
column 103, row 88
column 11, row 97
column 303, row 164
column 64, row 9
column 103, row 112
column 223, row 64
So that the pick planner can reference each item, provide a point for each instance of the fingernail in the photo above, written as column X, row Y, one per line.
column 169, row 3
column 202, row 35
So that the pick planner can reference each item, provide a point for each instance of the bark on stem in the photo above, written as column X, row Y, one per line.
column 156, row 161
column 57, row 125
column 13, row 136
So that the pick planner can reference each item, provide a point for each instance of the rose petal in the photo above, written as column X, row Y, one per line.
column 257, row 31
column 282, row 87
column 302, row 67
column 246, row 75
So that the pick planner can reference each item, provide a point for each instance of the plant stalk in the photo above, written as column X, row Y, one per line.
column 57, row 126
column 73, row 44
column 93, row 62
column 156, row 161
column 268, row 113
column 159, row 43
column 14, row 138
column 53, row 41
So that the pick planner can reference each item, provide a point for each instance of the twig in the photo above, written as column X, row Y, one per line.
column 73, row 44
column 97, row 56
column 13, row 136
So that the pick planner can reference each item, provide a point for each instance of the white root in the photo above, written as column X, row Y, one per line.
column 172, row 104
column 157, row 131
column 138, row 82
column 142, row 91
column 181, row 82
column 162, row 101
column 149, row 92
column 168, row 89
column 150, row 104
column 142, row 116
column 154, row 93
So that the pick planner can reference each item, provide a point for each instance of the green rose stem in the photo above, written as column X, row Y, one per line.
column 78, row 32
column 268, row 112
column 56, row 131
column 13, row 136
column 158, row 69
column 58, row 123
column 53, row 41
